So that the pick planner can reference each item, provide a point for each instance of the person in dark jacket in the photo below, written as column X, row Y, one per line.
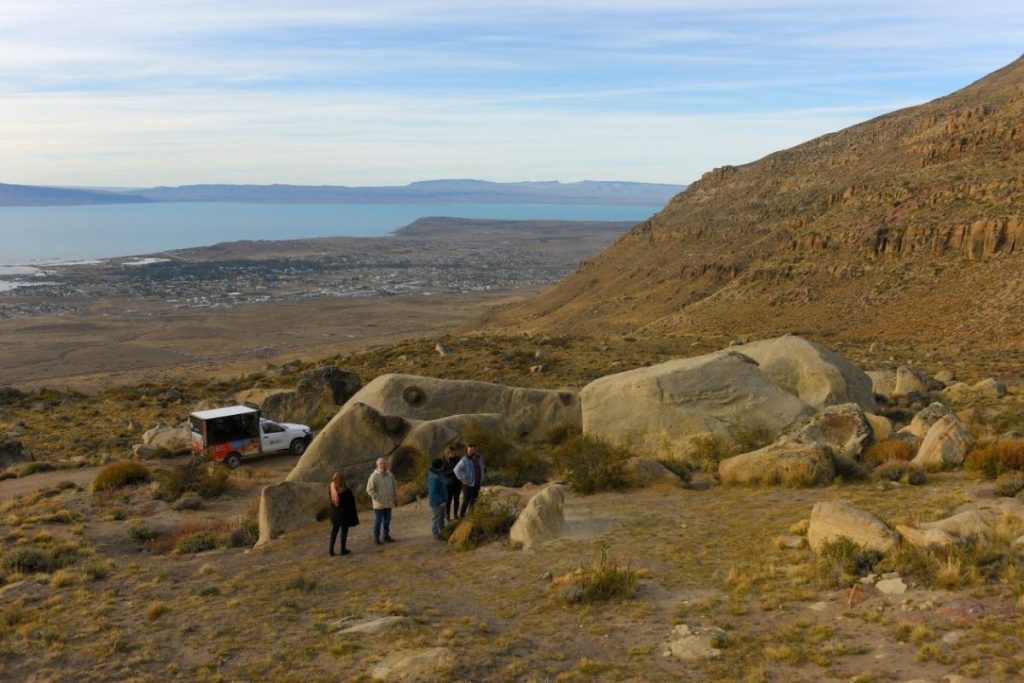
column 451, row 482
column 343, row 511
column 438, row 494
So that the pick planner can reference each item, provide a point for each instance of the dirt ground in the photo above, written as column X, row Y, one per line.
column 706, row 558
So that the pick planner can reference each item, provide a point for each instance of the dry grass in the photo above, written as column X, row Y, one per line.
column 888, row 451
column 992, row 458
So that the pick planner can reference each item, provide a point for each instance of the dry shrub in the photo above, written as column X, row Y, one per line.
column 490, row 518
column 839, row 563
column 889, row 450
column 599, row 582
column 121, row 474
column 155, row 610
column 1009, row 484
column 45, row 560
column 140, row 531
column 592, row 465
column 900, row 470
column 708, row 450
column 562, row 432
column 992, row 458
column 205, row 479
column 193, row 537
column 529, row 464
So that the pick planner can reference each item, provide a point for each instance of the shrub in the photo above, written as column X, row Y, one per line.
column 140, row 531
column 97, row 569
column 1009, row 484
column 155, row 610
column 562, row 432
column 490, row 518
column 196, row 542
column 992, row 458
column 751, row 437
column 206, row 479
column 34, row 467
column 889, row 450
column 900, row 470
column 600, row 582
column 245, row 533
column 41, row 560
column 709, row 450
column 189, row 501
column 119, row 475
column 526, row 465
column 840, row 562
column 592, row 465
column 494, row 448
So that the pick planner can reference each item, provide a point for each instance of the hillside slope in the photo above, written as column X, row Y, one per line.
column 908, row 226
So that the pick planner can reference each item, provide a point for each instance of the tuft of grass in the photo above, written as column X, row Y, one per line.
column 889, row 450
column 97, row 569
column 561, row 433
column 708, row 450
column 602, row 581
column 900, row 470
column 155, row 610
column 196, row 542
column 592, row 465
column 992, row 458
column 490, row 520
column 61, row 579
column 190, row 500
column 301, row 583
column 121, row 474
column 1009, row 484
column 245, row 532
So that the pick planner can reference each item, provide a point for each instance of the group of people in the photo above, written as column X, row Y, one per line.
column 449, row 479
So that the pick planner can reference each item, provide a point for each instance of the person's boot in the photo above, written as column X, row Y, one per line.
column 346, row 551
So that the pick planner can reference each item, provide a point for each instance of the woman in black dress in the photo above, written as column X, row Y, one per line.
column 343, row 511
column 451, row 482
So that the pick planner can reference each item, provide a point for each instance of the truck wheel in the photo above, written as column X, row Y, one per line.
column 233, row 460
column 298, row 447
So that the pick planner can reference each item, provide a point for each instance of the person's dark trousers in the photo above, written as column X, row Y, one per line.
column 382, row 518
column 452, row 504
column 335, row 527
column 469, row 496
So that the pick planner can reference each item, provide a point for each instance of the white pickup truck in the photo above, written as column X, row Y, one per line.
column 230, row 434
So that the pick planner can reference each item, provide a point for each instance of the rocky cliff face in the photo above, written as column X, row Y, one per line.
column 910, row 224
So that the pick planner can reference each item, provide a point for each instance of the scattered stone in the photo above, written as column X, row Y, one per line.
column 317, row 397
column 894, row 586
column 832, row 520
column 542, row 518
column 690, row 644
column 780, row 464
column 960, row 525
column 790, row 542
column 883, row 382
column 844, row 428
column 143, row 452
column 645, row 471
column 172, row 440
column 923, row 538
column 881, row 426
column 927, row 417
column 945, row 376
column 990, row 388
column 425, row 664
column 818, row 606
column 911, row 381
column 953, row 637
column 957, row 392
column 12, row 452
column 370, row 625
column 462, row 533
column 945, row 445
column 441, row 349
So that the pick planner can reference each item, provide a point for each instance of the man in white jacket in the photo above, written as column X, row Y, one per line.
column 384, row 493
column 470, row 471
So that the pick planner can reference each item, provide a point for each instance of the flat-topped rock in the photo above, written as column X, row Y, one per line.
column 836, row 519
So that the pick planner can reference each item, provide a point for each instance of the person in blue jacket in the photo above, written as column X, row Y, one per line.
column 437, row 493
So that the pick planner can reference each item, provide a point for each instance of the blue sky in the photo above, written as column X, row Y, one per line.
column 130, row 93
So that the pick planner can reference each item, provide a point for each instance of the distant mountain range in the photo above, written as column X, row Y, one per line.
column 425, row 192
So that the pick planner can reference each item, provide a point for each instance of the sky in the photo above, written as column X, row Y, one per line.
column 125, row 93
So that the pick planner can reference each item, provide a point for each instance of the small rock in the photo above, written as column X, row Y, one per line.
column 370, row 625
column 790, row 542
column 818, row 606
column 891, row 586
column 691, row 644
column 990, row 387
column 953, row 638
column 414, row 665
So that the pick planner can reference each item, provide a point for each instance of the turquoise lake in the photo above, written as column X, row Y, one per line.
column 43, row 233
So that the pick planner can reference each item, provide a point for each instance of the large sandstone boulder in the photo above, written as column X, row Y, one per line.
column 989, row 388
column 785, row 463
column 660, row 409
column 881, row 426
column 171, row 440
column 912, row 381
column 643, row 471
column 542, row 518
column 820, row 377
column 832, row 520
column 290, row 505
column 945, row 445
column 427, row 440
column 319, row 394
column 352, row 440
column 532, row 413
column 844, row 428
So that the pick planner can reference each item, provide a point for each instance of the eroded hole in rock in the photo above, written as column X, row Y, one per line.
column 404, row 463
column 566, row 398
column 413, row 395
column 393, row 424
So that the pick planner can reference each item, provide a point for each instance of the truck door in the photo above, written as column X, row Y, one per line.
column 272, row 437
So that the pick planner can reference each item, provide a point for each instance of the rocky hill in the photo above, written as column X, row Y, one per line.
column 909, row 226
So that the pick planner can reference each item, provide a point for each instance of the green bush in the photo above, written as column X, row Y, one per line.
column 490, row 519
column 35, row 560
column 528, row 464
column 245, row 533
column 197, row 542
column 992, row 458
column 592, row 465
column 600, row 582
column 121, row 474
